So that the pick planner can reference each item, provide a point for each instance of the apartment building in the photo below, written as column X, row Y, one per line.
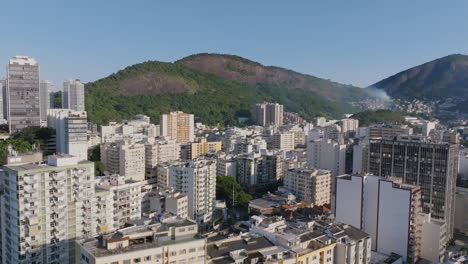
column 197, row 180
column 171, row 241
column 126, row 199
column 310, row 185
column 283, row 141
column 461, row 210
column 328, row 155
column 158, row 150
column 70, row 131
column 22, row 93
column 167, row 200
column 388, row 210
column 45, row 89
column 179, row 126
column 45, row 207
column 73, row 96
column 267, row 114
column 201, row 147
column 124, row 157
column 417, row 160
column 349, row 126
column 253, row 169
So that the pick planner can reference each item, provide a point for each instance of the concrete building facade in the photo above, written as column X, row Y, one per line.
column 22, row 93
column 310, row 185
column 178, row 126
column 73, row 96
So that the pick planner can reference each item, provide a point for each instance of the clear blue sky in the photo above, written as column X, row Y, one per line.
column 355, row 42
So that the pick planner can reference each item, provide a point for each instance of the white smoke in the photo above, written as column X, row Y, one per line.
column 379, row 94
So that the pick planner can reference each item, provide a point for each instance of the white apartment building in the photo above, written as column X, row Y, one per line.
column 124, row 157
column 3, row 101
column 197, row 180
column 427, row 127
column 178, row 126
column 173, row 241
column 126, row 199
column 226, row 166
column 158, row 150
column 388, row 211
column 349, row 126
column 163, row 174
column 463, row 164
column 310, row 185
column 328, row 155
column 167, row 200
column 45, row 88
column 44, row 207
column 284, row 141
column 71, row 131
column 73, row 96
column 22, row 93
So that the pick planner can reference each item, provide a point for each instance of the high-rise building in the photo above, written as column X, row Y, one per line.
column 70, row 131
column 328, row 155
column 310, row 185
column 267, row 114
column 197, row 180
column 3, row 99
column 284, row 141
column 44, row 208
column 73, row 96
column 22, row 89
column 349, row 126
column 45, row 88
column 421, row 161
column 126, row 197
column 390, row 212
column 124, row 157
column 178, row 126
column 427, row 127
column 157, row 151
column 253, row 169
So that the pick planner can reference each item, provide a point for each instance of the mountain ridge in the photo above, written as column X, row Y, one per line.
column 216, row 88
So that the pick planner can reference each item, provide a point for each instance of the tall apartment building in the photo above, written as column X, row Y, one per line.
column 179, row 126
column 388, row 130
column 284, row 141
column 70, row 131
column 73, row 95
column 124, row 157
column 171, row 241
column 197, row 180
column 258, row 169
column 310, row 185
column 45, row 88
column 267, row 114
column 126, row 198
column 22, row 90
column 387, row 210
column 44, row 208
column 202, row 147
column 3, row 100
column 349, row 126
column 417, row 160
column 427, row 127
column 158, row 150
column 328, row 155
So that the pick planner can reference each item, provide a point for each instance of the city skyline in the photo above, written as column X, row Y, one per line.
column 81, row 41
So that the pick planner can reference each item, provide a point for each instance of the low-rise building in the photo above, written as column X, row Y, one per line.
column 166, row 200
column 171, row 241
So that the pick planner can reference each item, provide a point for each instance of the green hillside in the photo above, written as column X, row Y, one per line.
column 153, row 88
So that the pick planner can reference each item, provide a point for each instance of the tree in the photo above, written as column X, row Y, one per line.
column 227, row 188
column 98, row 168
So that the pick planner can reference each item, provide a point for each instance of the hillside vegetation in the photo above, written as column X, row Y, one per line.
column 153, row 88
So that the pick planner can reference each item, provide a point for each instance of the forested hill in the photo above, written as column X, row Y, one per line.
column 197, row 85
